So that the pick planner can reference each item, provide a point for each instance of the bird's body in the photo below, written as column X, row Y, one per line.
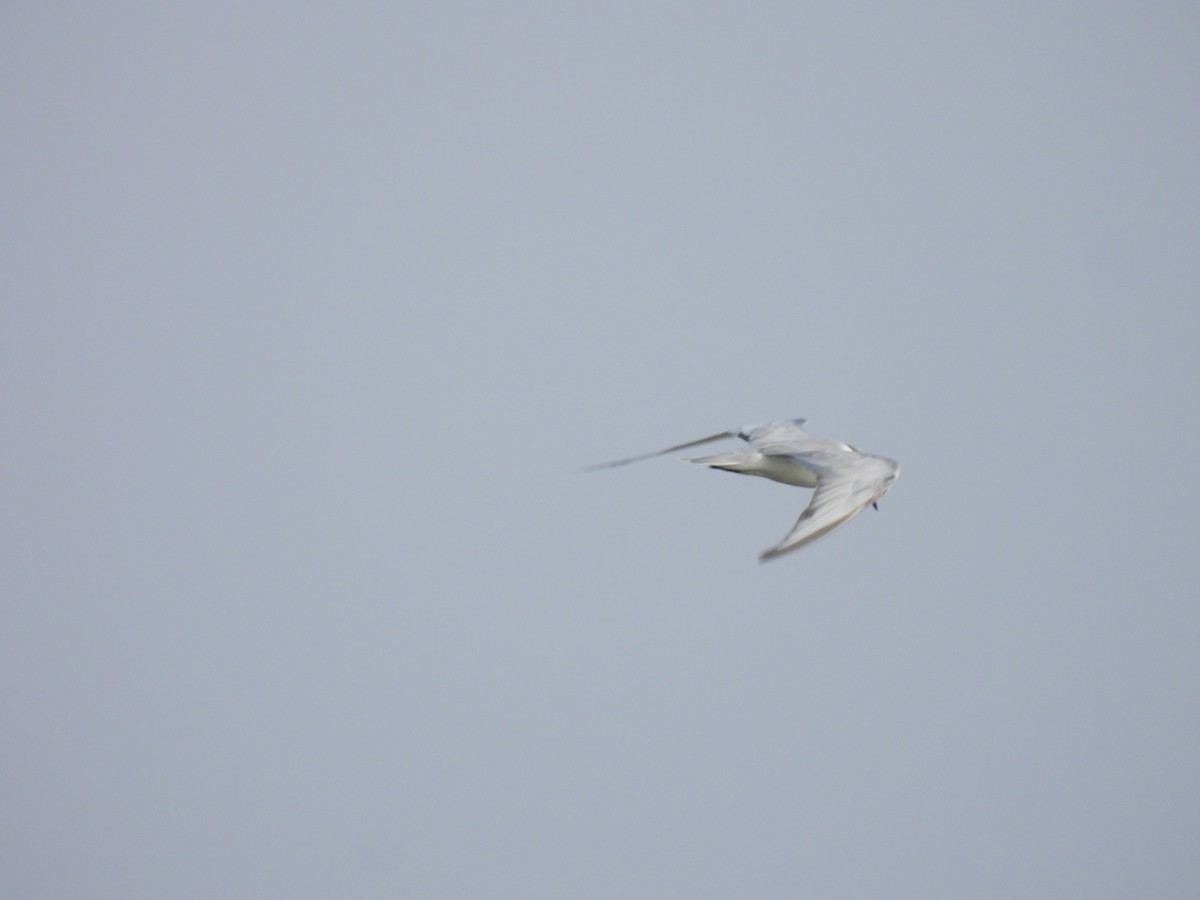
column 846, row 479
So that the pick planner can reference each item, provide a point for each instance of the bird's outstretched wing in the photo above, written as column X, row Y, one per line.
column 632, row 459
column 843, row 491
column 787, row 431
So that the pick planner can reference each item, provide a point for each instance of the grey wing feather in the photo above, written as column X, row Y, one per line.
column 790, row 431
column 632, row 459
column 834, row 503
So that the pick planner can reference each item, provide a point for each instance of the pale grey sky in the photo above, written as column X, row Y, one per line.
column 311, row 312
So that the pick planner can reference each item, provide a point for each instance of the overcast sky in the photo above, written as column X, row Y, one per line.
column 311, row 312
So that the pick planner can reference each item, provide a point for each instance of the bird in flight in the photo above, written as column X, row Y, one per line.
column 846, row 480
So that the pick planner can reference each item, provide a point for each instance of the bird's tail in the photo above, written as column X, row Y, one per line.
column 736, row 461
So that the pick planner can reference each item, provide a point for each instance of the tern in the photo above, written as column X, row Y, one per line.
column 846, row 479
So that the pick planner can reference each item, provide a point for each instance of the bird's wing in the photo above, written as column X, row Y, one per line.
column 786, row 431
column 632, row 459
column 843, row 491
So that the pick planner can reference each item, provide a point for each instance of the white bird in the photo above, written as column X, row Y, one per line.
column 846, row 479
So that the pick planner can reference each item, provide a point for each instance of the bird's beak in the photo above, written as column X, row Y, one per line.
column 876, row 505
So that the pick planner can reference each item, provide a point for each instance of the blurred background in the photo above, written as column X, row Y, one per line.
column 312, row 312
